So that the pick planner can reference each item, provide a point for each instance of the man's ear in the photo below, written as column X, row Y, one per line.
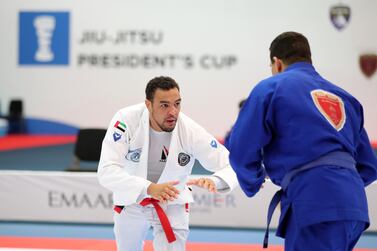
column 278, row 64
column 148, row 104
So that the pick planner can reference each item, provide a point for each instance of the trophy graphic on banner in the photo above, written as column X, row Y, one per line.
column 44, row 26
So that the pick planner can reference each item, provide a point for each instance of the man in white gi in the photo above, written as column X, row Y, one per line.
column 147, row 155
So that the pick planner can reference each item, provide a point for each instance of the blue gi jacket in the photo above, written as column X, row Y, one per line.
column 280, row 128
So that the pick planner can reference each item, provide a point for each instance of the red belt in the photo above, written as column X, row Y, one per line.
column 162, row 216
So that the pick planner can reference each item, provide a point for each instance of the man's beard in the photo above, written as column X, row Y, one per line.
column 167, row 129
column 162, row 125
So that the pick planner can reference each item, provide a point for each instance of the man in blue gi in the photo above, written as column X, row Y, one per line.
column 307, row 135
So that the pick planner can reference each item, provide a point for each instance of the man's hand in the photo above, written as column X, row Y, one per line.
column 163, row 192
column 205, row 183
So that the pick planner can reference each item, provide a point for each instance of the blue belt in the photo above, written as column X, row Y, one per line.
column 341, row 159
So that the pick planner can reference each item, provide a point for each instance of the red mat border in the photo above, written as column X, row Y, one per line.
column 109, row 245
column 24, row 141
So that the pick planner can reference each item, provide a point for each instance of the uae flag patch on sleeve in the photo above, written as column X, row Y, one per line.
column 121, row 126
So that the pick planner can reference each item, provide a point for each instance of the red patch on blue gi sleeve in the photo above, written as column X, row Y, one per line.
column 331, row 107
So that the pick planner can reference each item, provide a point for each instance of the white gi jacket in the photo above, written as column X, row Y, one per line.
column 124, row 158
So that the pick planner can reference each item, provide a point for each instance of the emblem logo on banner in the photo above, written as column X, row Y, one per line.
column 368, row 64
column 43, row 38
column 331, row 107
column 340, row 16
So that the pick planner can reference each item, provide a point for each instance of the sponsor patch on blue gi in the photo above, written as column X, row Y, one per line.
column 117, row 136
column 213, row 143
column 183, row 159
column 134, row 155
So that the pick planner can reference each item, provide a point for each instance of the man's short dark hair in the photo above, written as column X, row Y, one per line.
column 163, row 83
column 290, row 47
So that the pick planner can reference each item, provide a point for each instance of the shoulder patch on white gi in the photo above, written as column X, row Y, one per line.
column 213, row 143
column 134, row 155
column 183, row 159
column 331, row 107
column 120, row 126
column 117, row 136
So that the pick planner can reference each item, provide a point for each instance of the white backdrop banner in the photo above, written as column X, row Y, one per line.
column 78, row 198
column 65, row 62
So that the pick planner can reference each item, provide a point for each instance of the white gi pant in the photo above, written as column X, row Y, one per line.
column 132, row 224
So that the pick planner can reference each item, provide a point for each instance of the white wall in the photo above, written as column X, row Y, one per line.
column 77, row 197
column 86, row 95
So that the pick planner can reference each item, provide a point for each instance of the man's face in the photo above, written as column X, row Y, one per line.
column 164, row 109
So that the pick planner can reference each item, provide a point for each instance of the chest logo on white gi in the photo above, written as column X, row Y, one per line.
column 331, row 107
column 183, row 159
column 164, row 154
column 134, row 155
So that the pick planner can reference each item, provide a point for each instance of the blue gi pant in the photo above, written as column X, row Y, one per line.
column 324, row 236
